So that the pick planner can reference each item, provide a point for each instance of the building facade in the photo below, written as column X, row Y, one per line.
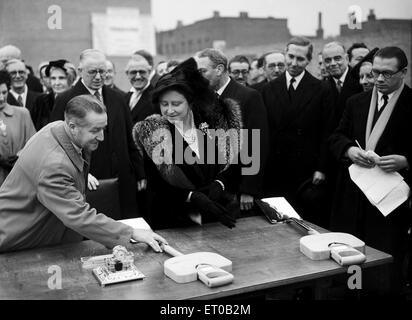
column 26, row 24
column 225, row 32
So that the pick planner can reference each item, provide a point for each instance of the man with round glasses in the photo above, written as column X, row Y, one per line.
column 139, row 96
column 274, row 65
column 116, row 155
column 380, row 121
column 239, row 69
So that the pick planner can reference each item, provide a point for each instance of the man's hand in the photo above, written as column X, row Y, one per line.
column 393, row 162
column 92, row 182
column 149, row 237
column 141, row 185
column 246, row 202
column 360, row 157
column 318, row 177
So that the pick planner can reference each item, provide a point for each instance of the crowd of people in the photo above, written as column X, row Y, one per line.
column 200, row 140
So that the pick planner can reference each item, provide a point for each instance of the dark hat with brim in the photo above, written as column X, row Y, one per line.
column 185, row 77
column 367, row 58
column 55, row 64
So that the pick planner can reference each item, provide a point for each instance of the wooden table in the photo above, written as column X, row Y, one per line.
column 264, row 256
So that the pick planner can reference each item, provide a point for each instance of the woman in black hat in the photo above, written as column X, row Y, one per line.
column 189, row 164
column 61, row 74
column 363, row 71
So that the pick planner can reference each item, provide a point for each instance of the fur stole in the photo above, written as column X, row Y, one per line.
column 153, row 136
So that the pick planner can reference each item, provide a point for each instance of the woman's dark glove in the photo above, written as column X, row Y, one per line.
column 215, row 191
column 208, row 207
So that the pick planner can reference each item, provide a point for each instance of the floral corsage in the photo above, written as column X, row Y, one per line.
column 204, row 127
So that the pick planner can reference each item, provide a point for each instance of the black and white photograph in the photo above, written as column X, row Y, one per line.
column 242, row 154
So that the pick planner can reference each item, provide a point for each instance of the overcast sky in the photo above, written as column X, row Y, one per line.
column 301, row 14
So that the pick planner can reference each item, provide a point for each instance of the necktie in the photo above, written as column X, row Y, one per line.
column 339, row 85
column 86, row 159
column 20, row 100
column 134, row 99
column 98, row 96
column 291, row 89
column 378, row 110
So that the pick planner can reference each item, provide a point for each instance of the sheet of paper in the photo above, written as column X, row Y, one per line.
column 137, row 223
column 386, row 191
column 283, row 207
column 394, row 199
column 374, row 182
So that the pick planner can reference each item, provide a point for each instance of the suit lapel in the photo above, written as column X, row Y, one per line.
column 193, row 172
column 283, row 97
column 128, row 96
column 30, row 99
column 395, row 118
column 304, row 93
column 230, row 91
column 12, row 100
column 109, row 103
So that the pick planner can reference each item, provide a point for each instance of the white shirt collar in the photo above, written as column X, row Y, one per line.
column 134, row 90
column 76, row 147
column 220, row 91
column 23, row 95
column 342, row 77
column 297, row 79
column 92, row 92
column 380, row 100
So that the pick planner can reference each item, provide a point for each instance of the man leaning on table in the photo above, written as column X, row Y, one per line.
column 42, row 201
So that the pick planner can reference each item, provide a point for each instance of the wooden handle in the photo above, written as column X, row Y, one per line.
column 173, row 252
column 303, row 225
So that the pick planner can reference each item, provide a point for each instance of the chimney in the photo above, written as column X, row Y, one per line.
column 216, row 14
column 371, row 16
column 319, row 31
column 179, row 24
column 243, row 14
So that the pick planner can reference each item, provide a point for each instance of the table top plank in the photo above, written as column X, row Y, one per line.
column 263, row 255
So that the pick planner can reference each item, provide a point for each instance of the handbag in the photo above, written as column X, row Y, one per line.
column 105, row 199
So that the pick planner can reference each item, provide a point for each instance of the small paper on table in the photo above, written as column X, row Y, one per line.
column 281, row 205
column 136, row 223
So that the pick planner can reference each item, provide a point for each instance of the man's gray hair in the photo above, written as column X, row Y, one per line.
column 90, row 53
column 334, row 43
column 13, row 61
column 216, row 56
column 10, row 52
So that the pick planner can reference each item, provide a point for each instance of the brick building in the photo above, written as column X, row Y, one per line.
column 25, row 24
column 231, row 32
column 378, row 27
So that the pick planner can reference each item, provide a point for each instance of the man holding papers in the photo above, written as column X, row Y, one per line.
column 375, row 133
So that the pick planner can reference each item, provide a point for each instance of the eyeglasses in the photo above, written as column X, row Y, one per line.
column 93, row 73
column 272, row 66
column 238, row 72
column 386, row 74
column 15, row 73
column 141, row 73
column 335, row 58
